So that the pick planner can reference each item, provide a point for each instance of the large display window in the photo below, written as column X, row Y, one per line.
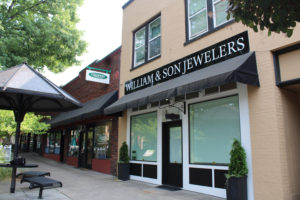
column 212, row 127
column 143, row 136
column 53, row 143
column 74, row 143
column 102, row 140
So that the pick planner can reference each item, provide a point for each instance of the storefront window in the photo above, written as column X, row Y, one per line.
column 74, row 143
column 38, row 142
column 57, row 143
column 101, row 141
column 144, row 137
column 213, row 126
column 53, row 143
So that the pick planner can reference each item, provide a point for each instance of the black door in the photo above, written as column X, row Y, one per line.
column 172, row 153
column 86, row 148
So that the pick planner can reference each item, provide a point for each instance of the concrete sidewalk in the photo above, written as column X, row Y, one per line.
column 82, row 184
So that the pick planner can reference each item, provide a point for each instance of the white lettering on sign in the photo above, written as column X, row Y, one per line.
column 96, row 76
column 232, row 47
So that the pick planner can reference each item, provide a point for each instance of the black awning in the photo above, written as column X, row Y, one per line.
column 89, row 109
column 240, row 69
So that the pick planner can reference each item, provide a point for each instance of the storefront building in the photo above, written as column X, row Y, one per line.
column 191, row 81
column 84, row 137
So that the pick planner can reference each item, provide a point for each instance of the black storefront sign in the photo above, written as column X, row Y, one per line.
column 226, row 49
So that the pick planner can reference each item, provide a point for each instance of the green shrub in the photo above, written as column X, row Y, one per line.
column 5, row 172
column 123, row 155
column 238, row 164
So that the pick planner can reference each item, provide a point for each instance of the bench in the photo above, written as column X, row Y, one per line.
column 31, row 174
column 42, row 183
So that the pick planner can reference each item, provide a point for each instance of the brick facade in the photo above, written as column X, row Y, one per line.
column 85, row 91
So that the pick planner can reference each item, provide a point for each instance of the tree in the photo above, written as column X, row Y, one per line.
column 41, row 33
column 31, row 124
column 274, row 15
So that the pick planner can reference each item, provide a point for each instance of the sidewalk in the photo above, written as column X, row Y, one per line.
column 82, row 184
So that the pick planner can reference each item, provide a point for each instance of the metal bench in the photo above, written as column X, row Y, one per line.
column 42, row 183
column 30, row 174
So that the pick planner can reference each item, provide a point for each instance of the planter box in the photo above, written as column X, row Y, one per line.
column 237, row 188
column 123, row 171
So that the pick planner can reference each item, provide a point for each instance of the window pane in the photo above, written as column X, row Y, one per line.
column 57, row 143
column 101, row 141
column 47, row 144
column 154, row 47
column 140, row 38
column 213, row 126
column 74, row 143
column 144, row 137
column 139, row 55
column 175, row 145
column 198, row 23
column 196, row 5
column 51, row 143
column 220, row 12
column 154, row 29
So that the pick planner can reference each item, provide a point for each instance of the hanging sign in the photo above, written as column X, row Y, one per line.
column 226, row 49
column 99, row 77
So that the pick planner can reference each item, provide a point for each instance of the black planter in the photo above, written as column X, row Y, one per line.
column 123, row 171
column 237, row 188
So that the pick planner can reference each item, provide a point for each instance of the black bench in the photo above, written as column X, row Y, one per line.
column 42, row 183
column 30, row 174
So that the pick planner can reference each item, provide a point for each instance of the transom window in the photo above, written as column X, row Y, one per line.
column 147, row 43
column 205, row 15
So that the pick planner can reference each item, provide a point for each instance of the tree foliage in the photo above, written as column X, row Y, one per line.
column 41, row 33
column 238, row 164
column 274, row 15
column 31, row 124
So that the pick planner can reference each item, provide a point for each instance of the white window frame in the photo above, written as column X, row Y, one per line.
column 150, row 40
column 215, row 14
column 135, row 63
column 147, row 43
column 210, row 27
column 189, row 18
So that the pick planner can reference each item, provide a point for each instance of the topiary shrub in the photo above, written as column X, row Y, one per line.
column 238, row 164
column 123, row 154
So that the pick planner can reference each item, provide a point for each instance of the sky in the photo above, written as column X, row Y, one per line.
column 101, row 22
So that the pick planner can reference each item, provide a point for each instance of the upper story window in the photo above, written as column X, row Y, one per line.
column 205, row 16
column 147, row 42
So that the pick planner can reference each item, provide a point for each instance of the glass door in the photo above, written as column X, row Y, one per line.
column 172, row 153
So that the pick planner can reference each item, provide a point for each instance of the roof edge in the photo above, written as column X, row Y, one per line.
column 127, row 4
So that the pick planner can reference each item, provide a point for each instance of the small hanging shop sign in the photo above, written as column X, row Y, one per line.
column 99, row 77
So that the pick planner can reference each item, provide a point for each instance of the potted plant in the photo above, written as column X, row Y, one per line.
column 123, row 164
column 237, row 173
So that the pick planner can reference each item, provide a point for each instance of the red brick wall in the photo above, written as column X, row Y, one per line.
column 86, row 90
column 103, row 166
column 72, row 161
column 52, row 156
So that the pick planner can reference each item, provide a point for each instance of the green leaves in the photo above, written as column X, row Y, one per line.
column 123, row 155
column 274, row 15
column 31, row 124
column 238, row 164
column 41, row 33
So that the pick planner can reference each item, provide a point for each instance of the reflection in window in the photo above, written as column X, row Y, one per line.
column 74, row 143
column 144, row 137
column 101, row 141
column 205, row 15
column 213, row 126
column 53, row 143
